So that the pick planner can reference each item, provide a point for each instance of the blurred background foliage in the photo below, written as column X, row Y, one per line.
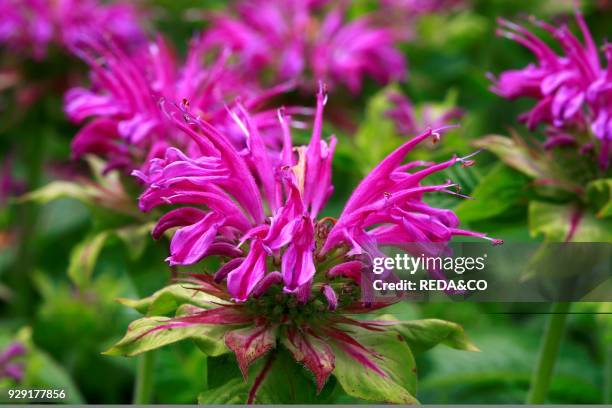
column 62, row 305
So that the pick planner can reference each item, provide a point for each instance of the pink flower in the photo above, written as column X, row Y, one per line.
column 287, row 276
column 228, row 194
column 127, row 126
column 297, row 40
column 572, row 90
column 31, row 26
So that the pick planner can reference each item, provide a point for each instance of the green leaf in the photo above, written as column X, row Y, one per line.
column 168, row 300
column 285, row 382
column 500, row 190
column 553, row 221
column 514, row 154
column 395, row 360
column 141, row 336
column 422, row 335
column 235, row 392
column 83, row 258
column 599, row 194
column 60, row 189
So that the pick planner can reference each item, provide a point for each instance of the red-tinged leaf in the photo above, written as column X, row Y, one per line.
column 218, row 316
column 249, row 344
column 356, row 350
column 313, row 352
column 392, row 356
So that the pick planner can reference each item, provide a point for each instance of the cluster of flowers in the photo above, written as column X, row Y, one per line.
column 127, row 126
column 573, row 90
column 300, row 40
column 31, row 26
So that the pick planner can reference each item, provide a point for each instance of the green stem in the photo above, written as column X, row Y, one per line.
column 143, row 389
column 551, row 342
column 607, row 397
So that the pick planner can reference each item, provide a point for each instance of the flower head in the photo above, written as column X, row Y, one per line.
column 572, row 89
column 287, row 275
column 31, row 26
column 127, row 126
column 294, row 38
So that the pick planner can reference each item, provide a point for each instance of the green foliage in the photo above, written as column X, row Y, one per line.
column 167, row 300
column 150, row 333
column 554, row 222
column 500, row 373
column 376, row 136
column 234, row 391
column 498, row 192
column 599, row 194
column 41, row 371
column 422, row 335
column 395, row 359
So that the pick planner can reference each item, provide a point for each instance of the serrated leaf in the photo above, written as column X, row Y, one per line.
column 599, row 194
column 83, row 258
column 500, row 190
column 395, row 360
column 150, row 333
column 169, row 299
column 422, row 335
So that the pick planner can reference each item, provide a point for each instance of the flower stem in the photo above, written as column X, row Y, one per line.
column 607, row 397
column 144, row 379
column 542, row 375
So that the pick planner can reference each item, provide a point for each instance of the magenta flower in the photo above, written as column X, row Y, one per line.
column 287, row 275
column 8, row 368
column 127, row 126
column 31, row 26
column 572, row 90
column 300, row 40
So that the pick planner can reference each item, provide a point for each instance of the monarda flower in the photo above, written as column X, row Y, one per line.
column 127, row 127
column 289, row 281
column 31, row 26
column 300, row 40
column 573, row 90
